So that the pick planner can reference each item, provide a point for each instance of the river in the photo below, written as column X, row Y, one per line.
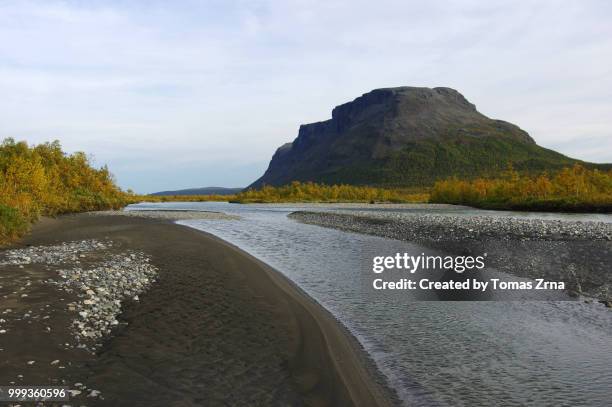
column 470, row 353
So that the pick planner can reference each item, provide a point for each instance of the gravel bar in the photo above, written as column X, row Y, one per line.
column 100, row 285
column 428, row 227
column 171, row 215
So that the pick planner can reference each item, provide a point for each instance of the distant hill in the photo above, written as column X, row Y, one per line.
column 201, row 191
column 407, row 136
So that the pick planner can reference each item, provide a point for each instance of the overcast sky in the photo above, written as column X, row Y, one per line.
column 176, row 94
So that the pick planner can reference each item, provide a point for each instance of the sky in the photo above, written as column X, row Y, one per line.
column 179, row 94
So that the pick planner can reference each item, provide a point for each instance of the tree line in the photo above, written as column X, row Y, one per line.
column 313, row 192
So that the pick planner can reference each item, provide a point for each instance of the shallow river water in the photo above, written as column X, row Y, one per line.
column 507, row 353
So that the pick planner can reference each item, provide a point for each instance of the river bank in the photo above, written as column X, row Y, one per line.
column 199, row 322
column 579, row 253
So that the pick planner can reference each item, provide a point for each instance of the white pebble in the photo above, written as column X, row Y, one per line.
column 94, row 393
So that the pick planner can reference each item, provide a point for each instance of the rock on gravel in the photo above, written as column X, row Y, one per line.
column 51, row 255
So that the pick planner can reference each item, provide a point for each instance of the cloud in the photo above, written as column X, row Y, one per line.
column 216, row 85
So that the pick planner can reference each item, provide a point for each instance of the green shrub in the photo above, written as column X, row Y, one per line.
column 12, row 224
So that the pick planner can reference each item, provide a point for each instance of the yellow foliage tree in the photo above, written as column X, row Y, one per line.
column 43, row 180
column 574, row 188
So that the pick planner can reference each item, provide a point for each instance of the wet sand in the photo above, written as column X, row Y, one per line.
column 217, row 328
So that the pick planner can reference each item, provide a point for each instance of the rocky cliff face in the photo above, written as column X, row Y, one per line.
column 404, row 136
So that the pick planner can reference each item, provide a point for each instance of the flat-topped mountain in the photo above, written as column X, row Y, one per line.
column 406, row 136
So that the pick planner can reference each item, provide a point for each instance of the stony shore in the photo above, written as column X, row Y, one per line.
column 138, row 311
column 96, row 278
column 579, row 253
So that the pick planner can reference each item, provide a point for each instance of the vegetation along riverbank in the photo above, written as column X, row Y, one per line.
column 42, row 180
